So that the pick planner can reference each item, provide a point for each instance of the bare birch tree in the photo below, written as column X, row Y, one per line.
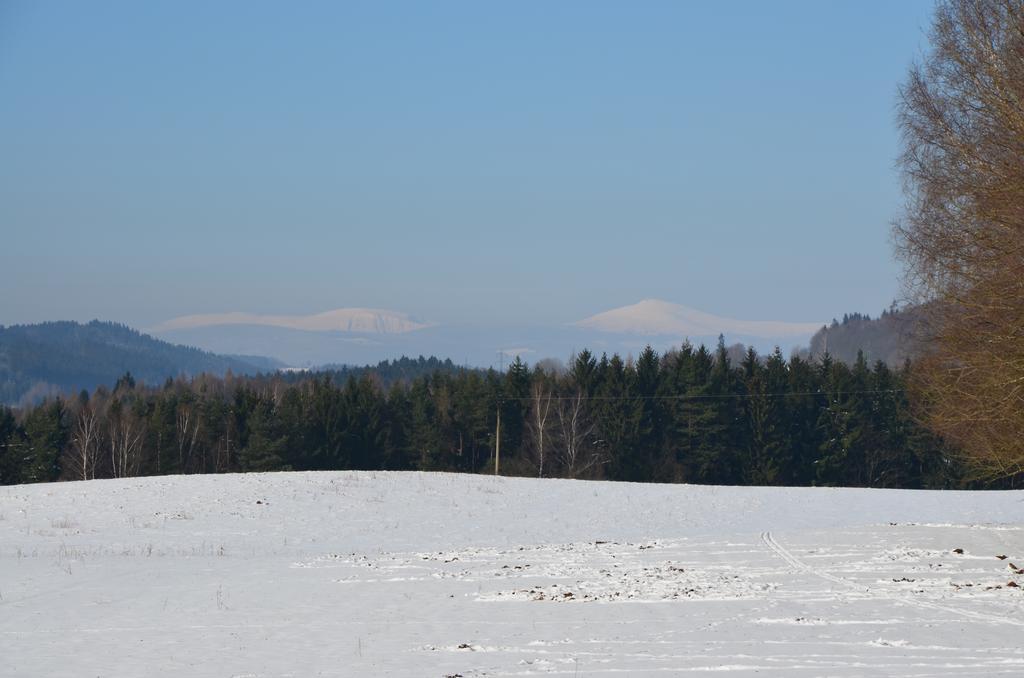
column 187, row 432
column 962, row 233
column 125, row 435
column 538, row 425
column 579, row 451
column 83, row 454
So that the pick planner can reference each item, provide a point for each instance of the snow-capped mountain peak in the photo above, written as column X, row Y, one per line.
column 655, row 317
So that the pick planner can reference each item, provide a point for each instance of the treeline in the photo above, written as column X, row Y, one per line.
column 386, row 373
column 691, row 415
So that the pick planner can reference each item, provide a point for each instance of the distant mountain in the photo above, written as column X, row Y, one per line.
column 60, row 357
column 653, row 317
column 891, row 337
column 304, row 348
column 361, row 320
column 366, row 336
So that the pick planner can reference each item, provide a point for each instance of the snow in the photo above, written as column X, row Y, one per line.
column 367, row 574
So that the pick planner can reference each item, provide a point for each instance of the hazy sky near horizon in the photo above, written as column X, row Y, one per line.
column 465, row 162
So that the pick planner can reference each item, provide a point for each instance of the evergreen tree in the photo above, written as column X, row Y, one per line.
column 11, row 449
column 325, row 424
column 833, row 424
column 396, row 453
column 719, row 440
column 46, row 434
column 645, row 462
column 617, row 416
column 804, row 402
column 425, row 436
column 697, row 422
column 515, row 402
column 364, row 433
column 584, row 371
column 263, row 447
column 763, row 438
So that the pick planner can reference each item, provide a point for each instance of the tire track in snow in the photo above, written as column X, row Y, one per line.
column 797, row 564
column 801, row 566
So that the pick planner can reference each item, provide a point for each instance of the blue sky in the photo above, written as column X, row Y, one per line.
column 486, row 163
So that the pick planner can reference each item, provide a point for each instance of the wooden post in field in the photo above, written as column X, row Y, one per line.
column 497, row 443
column 497, row 426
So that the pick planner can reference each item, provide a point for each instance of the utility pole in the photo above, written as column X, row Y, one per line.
column 497, row 426
column 497, row 442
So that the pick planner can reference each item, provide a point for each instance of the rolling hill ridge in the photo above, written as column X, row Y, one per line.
column 61, row 357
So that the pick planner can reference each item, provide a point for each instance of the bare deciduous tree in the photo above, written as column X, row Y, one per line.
column 579, row 451
column 83, row 454
column 187, row 432
column 125, row 433
column 538, row 425
column 962, row 234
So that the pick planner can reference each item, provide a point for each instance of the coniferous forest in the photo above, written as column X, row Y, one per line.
column 691, row 415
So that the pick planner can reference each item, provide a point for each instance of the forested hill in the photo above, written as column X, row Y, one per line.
column 889, row 337
column 690, row 415
column 61, row 357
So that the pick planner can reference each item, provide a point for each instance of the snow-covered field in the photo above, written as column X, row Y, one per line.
column 367, row 574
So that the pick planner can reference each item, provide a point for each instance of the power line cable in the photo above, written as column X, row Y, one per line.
column 713, row 396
